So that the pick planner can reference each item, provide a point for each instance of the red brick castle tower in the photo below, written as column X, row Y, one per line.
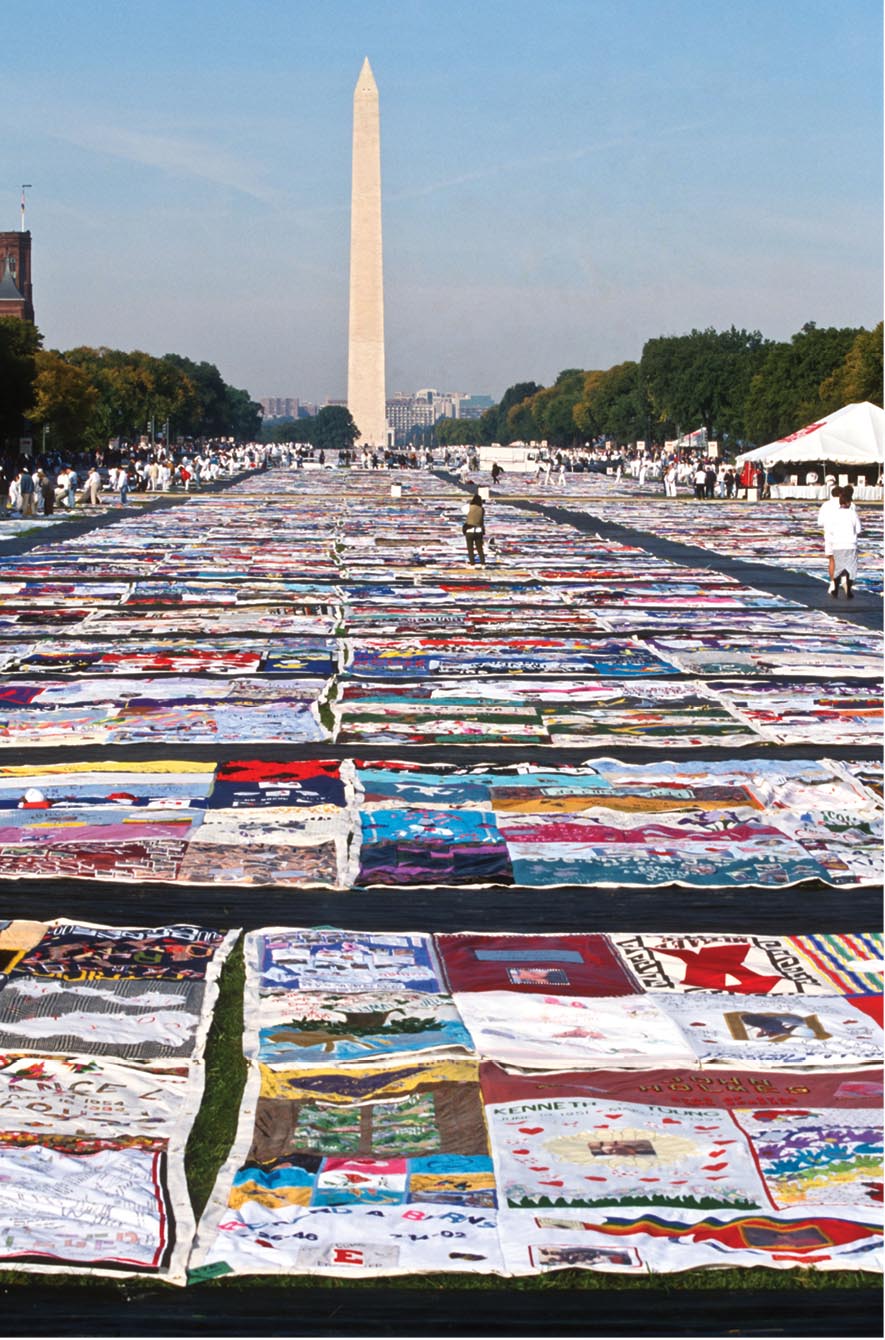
column 16, row 290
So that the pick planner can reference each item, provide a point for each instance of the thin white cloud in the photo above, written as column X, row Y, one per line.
column 186, row 157
column 541, row 160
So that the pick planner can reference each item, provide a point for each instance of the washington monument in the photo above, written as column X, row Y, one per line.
column 365, row 346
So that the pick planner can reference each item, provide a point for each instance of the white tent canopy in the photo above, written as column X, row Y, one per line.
column 854, row 435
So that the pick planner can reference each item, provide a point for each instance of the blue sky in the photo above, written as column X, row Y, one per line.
column 562, row 181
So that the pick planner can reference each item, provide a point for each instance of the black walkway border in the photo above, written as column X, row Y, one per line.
column 810, row 908
column 256, row 1308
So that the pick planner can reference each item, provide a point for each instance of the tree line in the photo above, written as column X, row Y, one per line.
column 744, row 389
column 86, row 396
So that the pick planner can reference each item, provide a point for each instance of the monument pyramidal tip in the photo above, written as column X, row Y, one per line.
column 365, row 347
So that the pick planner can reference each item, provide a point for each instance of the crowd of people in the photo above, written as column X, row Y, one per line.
column 46, row 484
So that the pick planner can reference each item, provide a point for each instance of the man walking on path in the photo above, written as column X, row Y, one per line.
column 474, row 530
column 826, row 510
column 840, row 536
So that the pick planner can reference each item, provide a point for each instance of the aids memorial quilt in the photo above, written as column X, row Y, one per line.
column 570, row 965
column 102, row 1030
column 784, row 533
column 834, row 655
column 303, row 657
column 336, row 995
column 743, row 964
column 582, row 1117
column 419, row 658
column 245, row 821
column 796, row 712
column 135, row 711
column 587, row 712
column 569, row 1032
column 826, row 1031
column 592, row 1176
column 715, row 824
column 373, row 621
column 359, row 1150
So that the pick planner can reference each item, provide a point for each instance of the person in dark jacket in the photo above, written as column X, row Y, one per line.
column 46, row 490
column 475, row 529
column 26, row 483
column 709, row 480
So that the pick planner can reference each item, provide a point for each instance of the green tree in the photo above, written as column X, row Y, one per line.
column 494, row 423
column 553, row 408
column 126, row 386
column 65, row 399
column 334, row 429
column 243, row 415
column 210, row 416
column 785, row 393
column 135, row 387
column 859, row 376
column 614, row 403
column 520, row 425
column 702, row 379
column 287, row 430
column 515, row 418
column 19, row 343
column 457, row 432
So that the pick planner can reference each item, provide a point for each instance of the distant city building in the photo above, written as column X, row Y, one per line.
column 422, row 409
column 406, row 410
column 474, row 406
column 16, row 290
column 279, row 407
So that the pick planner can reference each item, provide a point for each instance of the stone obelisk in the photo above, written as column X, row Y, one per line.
column 365, row 347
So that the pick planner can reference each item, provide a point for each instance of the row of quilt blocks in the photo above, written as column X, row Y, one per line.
column 360, row 823
column 102, row 1034
column 513, row 1104
column 495, row 700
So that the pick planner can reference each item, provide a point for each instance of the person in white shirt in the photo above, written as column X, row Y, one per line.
column 827, row 509
column 842, row 530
